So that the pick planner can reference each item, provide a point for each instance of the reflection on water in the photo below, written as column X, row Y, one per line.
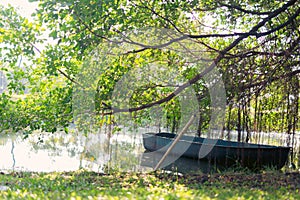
column 56, row 153
column 181, row 165
column 67, row 152
column 124, row 151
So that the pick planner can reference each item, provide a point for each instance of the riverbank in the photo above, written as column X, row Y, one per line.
column 116, row 185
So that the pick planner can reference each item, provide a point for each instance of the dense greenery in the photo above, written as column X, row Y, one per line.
column 80, row 51
column 89, row 185
column 254, row 44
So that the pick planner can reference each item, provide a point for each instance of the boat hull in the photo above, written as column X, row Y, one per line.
column 222, row 152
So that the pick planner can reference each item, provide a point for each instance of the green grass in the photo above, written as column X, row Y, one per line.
column 90, row 185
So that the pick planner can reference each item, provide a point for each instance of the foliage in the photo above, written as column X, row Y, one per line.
column 254, row 44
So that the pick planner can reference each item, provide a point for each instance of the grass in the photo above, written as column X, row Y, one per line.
column 116, row 185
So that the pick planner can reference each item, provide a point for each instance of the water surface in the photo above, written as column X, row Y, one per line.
column 46, row 152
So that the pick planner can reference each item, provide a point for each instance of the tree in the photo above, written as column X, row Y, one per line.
column 255, row 44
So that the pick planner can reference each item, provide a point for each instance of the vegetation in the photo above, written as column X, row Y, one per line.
column 89, row 62
column 253, row 44
column 90, row 185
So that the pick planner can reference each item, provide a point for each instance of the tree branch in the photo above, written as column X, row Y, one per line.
column 157, row 14
column 243, row 10
column 89, row 29
column 212, row 66
column 250, row 33
column 286, row 52
column 59, row 70
column 271, row 79
column 289, row 21
column 68, row 77
column 37, row 49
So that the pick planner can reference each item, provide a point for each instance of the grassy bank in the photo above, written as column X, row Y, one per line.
column 90, row 185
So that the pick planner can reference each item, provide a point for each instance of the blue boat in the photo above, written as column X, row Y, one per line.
column 226, row 153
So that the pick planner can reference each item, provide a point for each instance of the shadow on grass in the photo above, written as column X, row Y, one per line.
column 155, row 185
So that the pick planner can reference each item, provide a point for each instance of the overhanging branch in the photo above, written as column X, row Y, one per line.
column 212, row 66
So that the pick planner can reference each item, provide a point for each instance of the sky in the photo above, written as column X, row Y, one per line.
column 25, row 8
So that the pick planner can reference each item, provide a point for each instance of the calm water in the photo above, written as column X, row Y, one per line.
column 124, row 150
column 67, row 152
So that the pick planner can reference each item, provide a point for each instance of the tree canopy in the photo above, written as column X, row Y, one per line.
column 253, row 44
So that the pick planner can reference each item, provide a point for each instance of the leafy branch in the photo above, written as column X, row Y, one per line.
column 221, row 55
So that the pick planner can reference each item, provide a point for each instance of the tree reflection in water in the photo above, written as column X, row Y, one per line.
column 98, row 152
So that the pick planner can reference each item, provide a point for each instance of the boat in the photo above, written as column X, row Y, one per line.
column 222, row 152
